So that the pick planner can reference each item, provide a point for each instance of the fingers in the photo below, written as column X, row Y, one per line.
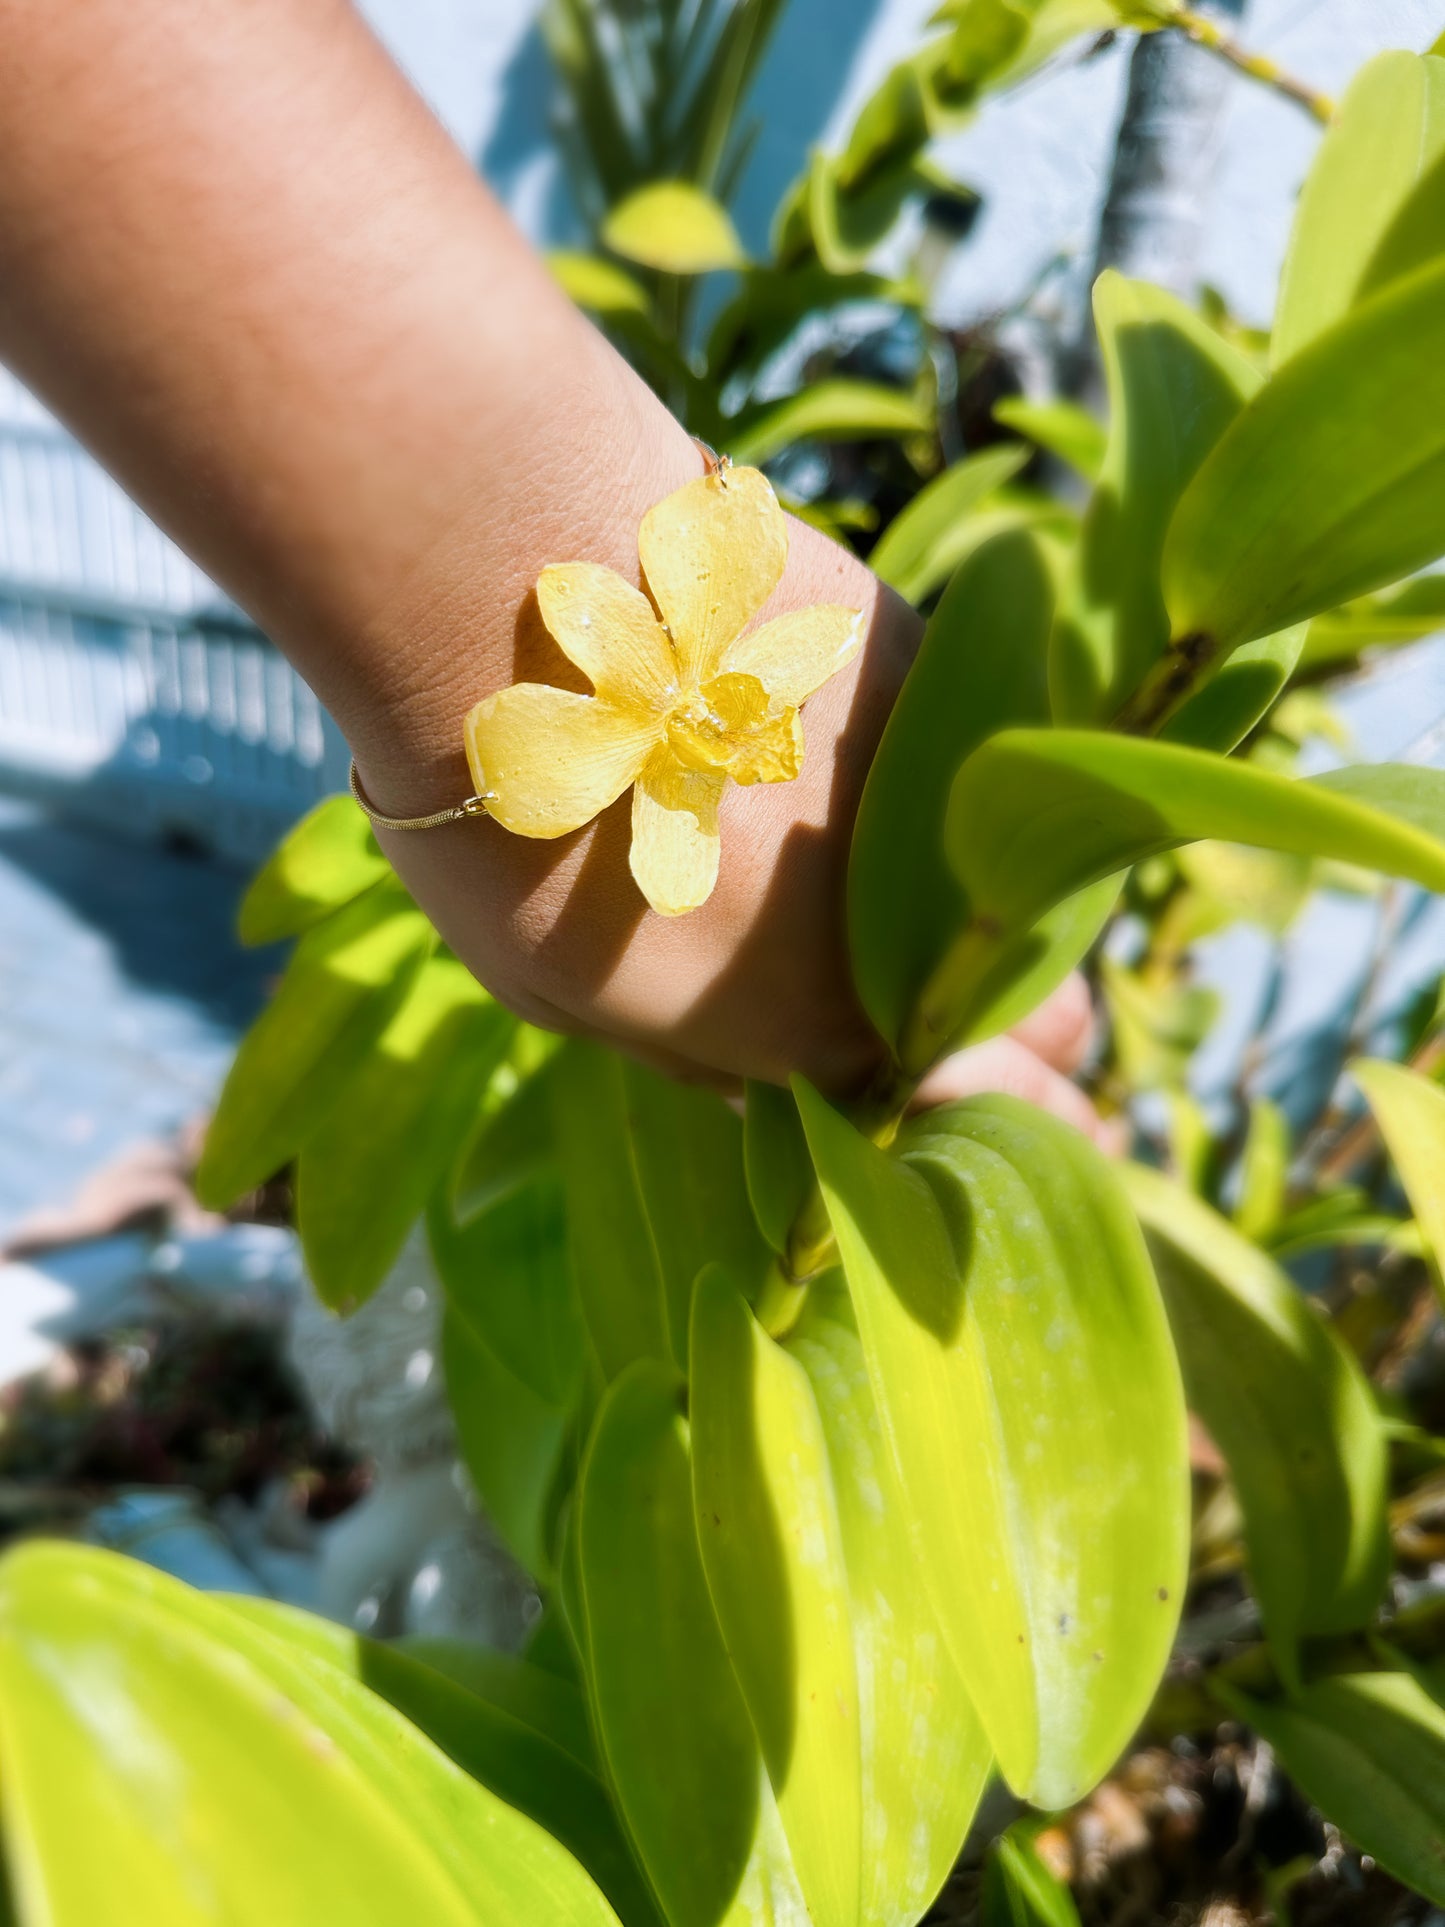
column 1061, row 1030
column 1005, row 1064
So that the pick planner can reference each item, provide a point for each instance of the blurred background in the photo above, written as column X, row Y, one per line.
column 166, row 1382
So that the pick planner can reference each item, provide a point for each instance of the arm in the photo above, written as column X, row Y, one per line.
column 239, row 257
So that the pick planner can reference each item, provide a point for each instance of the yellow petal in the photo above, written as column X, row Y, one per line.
column 548, row 760
column 796, row 654
column 772, row 753
column 675, row 835
column 713, row 552
column 610, row 630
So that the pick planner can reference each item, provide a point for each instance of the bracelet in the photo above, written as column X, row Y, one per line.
column 472, row 806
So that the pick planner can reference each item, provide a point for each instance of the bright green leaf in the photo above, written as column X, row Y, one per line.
column 345, row 980
column 924, row 1756
column 363, row 1176
column 675, row 227
column 1410, row 1111
column 1289, row 1408
column 1019, row 1890
column 772, row 1550
column 330, row 857
column 512, row 1756
column 1263, row 1170
column 614, row 1260
column 680, row 1749
column 918, row 550
column 687, row 1153
column 171, row 1736
column 515, row 1139
column 1385, row 621
column 1062, row 427
column 982, row 666
column 597, row 285
column 1036, row 815
column 1369, row 1750
column 508, row 1272
column 1358, row 225
column 1329, row 484
column 837, row 410
column 1056, row 1561
column 529, row 1691
column 1174, row 388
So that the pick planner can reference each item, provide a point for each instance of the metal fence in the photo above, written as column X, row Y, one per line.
column 132, row 692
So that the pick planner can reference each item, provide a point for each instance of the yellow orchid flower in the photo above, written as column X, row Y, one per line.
column 681, row 704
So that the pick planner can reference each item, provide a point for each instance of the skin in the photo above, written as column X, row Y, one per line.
column 241, row 260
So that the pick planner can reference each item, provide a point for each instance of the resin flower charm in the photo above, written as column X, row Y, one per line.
column 681, row 704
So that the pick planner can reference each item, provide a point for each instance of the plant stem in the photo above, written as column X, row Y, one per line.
column 1174, row 676
column 1207, row 33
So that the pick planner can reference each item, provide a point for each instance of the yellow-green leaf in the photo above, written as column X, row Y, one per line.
column 920, row 548
column 925, row 1759
column 1055, row 1550
column 1061, row 427
column 597, row 285
column 1360, row 221
column 1410, row 1111
column 1368, row 1749
column 675, row 227
column 493, row 1742
column 1019, row 1890
column 1330, row 483
column 779, row 1170
column 772, row 1550
column 1290, row 1409
column 347, row 977
column 1174, row 387
column 680, row 1748
column 363, row 1176
column 171, row 1735
column 330, row 857
column 837, row 410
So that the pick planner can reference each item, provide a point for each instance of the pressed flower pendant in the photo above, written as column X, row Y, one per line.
column 681, row 704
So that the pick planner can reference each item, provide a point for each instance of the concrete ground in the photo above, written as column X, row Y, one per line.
column 122, row 993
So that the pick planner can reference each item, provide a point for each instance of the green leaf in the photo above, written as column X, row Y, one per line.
column 687, row 1152
column 1385, row 621
column 981, row 667
column 1330, row 483
column 1156, row 1027
column 597, row 285
column 1019, row 1890
column 1371, row 206
column 1289, row 1408
column 532, row 1694
column 837, row 410
column 171, row 1735
column 517, row 1447
column 1035, row 815
column 515, row 1140
column 1264, row 1170
column 1055, row 1552
column 512, row 1756
column 1174, row 388
column 343, row 984
column 1368, row 1749
column 773, row 1554
column 363, row 1176
column 614, row 1261
column 675, row 227
column 918, row 550
column 680, row 1749
column 330, row 857
column 1410, row 1111
column 779, row 1170
column 925, row 1760
column 507, row 1271
column 772, row 303
column 1062, row 427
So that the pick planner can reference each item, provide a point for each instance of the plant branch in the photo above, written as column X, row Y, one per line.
column 1259, row 67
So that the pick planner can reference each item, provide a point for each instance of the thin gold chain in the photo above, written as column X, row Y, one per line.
column 473, row 806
